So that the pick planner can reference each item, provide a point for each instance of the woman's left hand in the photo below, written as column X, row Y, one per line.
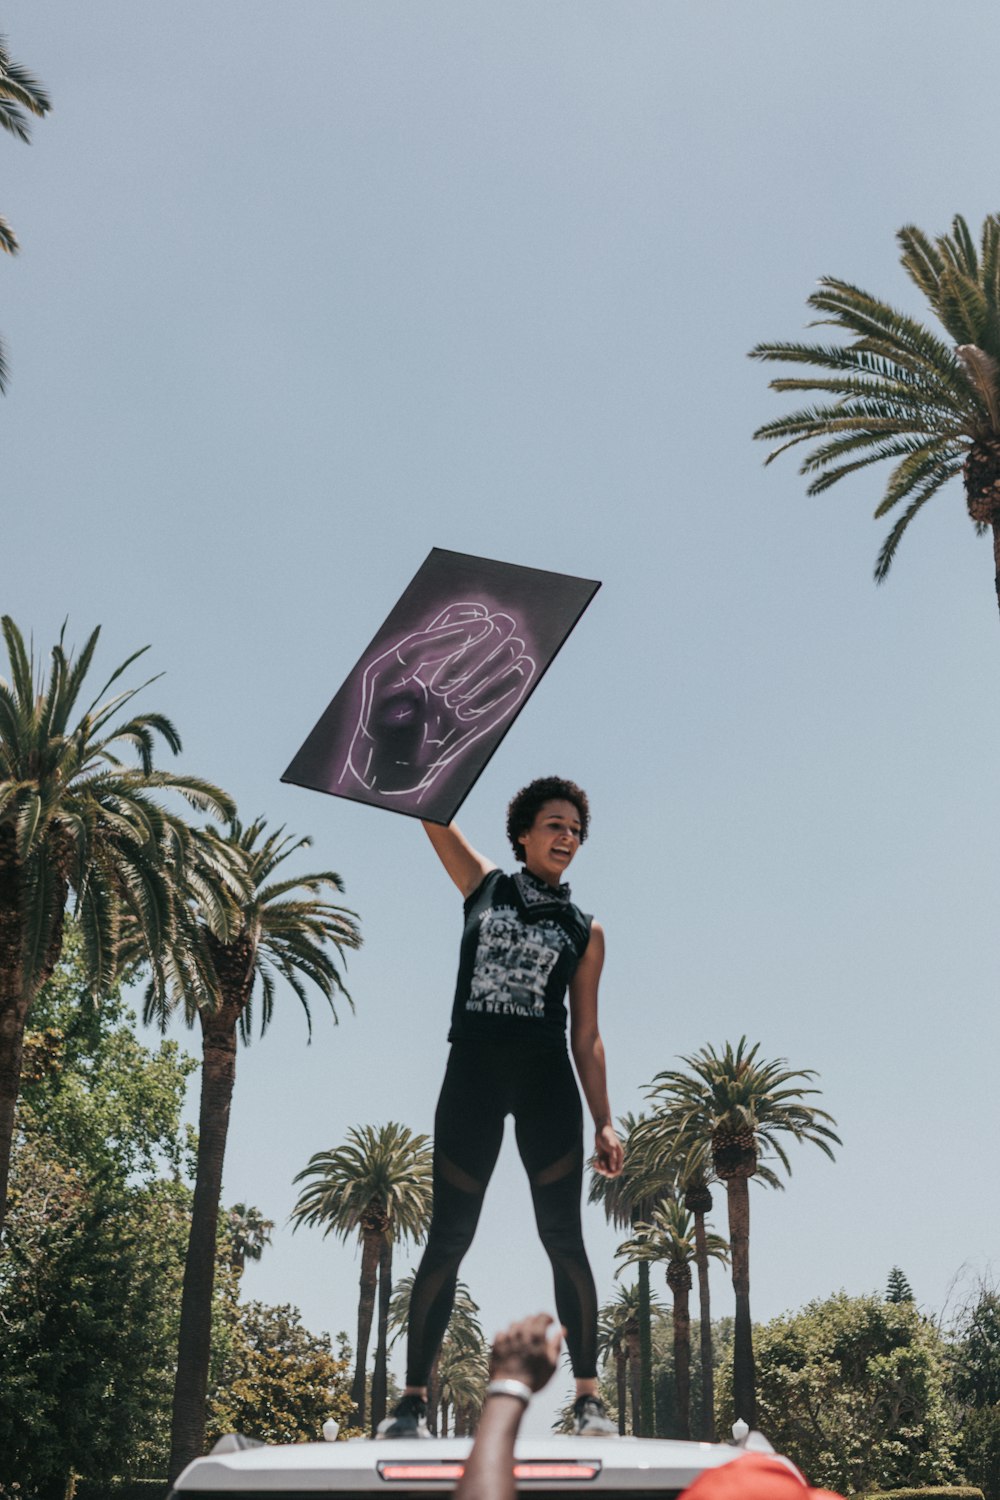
column 608, row 1154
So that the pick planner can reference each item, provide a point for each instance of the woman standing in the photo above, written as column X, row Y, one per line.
column 523, row 944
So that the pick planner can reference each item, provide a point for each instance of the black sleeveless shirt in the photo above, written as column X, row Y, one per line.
column 522, row 942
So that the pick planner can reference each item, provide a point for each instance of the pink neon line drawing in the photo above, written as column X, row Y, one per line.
column 430, row 696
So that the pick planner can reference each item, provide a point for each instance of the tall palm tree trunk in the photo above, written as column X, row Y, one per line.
column 16, row 993
column 433, row 1394
column 218, row 1075
column 371, row 1250
column 679, row 1280
column 707, row 1423
column 379, row 1374
column 645, row 1354
column 13, row 1017
column 634, row 1378
column 981, row 476
column 744, row 1375
column 621, row 1384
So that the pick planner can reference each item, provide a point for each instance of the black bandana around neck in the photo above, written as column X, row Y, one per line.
column 535, row 892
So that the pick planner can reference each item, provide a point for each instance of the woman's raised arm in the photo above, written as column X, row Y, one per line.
column 465, row 865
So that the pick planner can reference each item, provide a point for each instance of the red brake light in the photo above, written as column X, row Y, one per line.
column 417, row 1470
column 557, row 1470
column 430, row 1470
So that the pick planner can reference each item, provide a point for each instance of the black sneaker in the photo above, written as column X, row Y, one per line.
column 590, row 1418
column 408, row 1420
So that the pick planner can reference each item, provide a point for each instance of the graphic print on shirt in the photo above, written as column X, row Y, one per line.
column 513, row 964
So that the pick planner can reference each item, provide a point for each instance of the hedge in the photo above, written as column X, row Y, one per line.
column 123, row 1489
column 932, row 1492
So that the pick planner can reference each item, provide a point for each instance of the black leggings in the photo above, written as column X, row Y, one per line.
column 483, row 1084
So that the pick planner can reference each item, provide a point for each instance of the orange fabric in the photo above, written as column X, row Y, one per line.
column 753, row 1476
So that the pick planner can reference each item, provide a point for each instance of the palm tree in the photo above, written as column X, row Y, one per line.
column 618, row 1339
column 462, row 1373
column 248, row 1233
column 696, row 1196
column 657, row 1146
column 378, row 1184
column 73, row 818
column 284, row 928
column 464, row 1331
column 725, row 1109
column 627, row 1200
column 901, row 392
column 18, row 92
column 669, row 1236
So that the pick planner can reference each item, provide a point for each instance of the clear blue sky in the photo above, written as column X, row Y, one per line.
column 306, row 289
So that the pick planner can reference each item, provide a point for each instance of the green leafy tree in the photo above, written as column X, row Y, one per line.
column 726, row 1108
column 278, row 1382
column 979, row 1449
column 669, row 1237
column 977, row 1346
column 94, row 1243
column 627, row 1200
column 853, row 1389
column 20, row 96
column 897, row 390
column 284, row 928
column 377, row 1185
column 976, row 1387
column 75, row 821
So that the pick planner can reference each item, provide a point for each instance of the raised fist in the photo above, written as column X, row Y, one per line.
column 428, row 698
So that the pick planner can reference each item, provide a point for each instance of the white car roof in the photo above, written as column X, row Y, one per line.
column 405, row 1467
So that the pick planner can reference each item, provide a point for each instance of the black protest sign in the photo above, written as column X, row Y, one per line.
column 440, row 684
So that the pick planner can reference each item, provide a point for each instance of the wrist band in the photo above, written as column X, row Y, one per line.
column 510, row 1388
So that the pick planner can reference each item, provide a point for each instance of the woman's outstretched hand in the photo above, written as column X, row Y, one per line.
column 608, row 1153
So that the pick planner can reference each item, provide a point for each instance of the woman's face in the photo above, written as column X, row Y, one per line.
column 552, row 840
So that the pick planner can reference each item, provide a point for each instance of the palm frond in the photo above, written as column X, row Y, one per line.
column 922, row 260
column 888, row 549
column 906, row 448
column 17, row 83
column 901, row 393
column 921, row 467
column 42, row 905
column 21, row 664
column 984, row 373
column 13, row 119
column 882, row 329
column 28, row 818
column 961, row 248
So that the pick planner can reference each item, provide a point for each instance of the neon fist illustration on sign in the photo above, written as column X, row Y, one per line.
column 426, row 706
column 426, row 699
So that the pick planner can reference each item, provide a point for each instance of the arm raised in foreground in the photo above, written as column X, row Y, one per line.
column 526, row 1353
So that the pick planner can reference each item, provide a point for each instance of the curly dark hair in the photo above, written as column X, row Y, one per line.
column 526, row 804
